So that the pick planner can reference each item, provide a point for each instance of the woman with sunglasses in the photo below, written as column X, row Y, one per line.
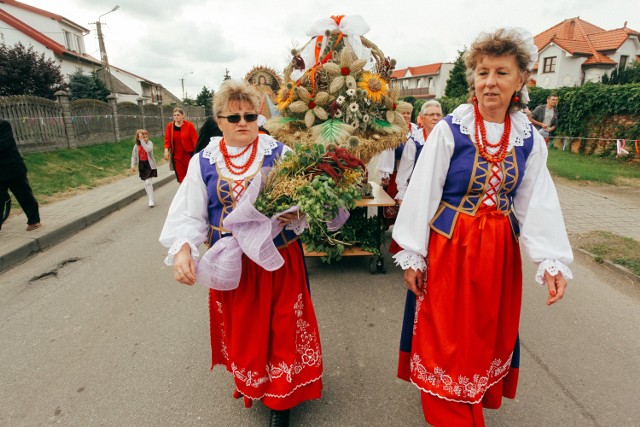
column 265, row 331
column 180, row 140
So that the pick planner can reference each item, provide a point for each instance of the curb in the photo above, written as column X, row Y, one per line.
column 29, row 247
column 613, row 266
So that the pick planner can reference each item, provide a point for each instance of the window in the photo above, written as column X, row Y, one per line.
column 79, row 46
column 623, row 62
column 549, row 65
column 68, row 39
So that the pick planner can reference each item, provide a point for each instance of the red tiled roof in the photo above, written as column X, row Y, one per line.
column 41, row 38
column 421, row 70
column 42, row 12
column 579, row 37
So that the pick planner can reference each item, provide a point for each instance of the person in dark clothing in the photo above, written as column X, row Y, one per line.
column 208, row 130
column 13, row 176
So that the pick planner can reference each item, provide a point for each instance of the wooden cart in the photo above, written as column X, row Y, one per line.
column 379, row 200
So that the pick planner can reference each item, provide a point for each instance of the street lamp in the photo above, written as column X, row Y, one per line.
column 182, row 81
column 103, row 51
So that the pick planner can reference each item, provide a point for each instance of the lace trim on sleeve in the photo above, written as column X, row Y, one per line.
column 409, row 259
column 553, row 266
column 175, row 248
column 400, row 195
column 298, row 225
column 384, row 175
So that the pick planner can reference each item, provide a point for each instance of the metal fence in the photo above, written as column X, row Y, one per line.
column 40, row 124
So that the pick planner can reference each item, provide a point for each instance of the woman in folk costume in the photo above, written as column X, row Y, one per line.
column 180, row 140
column 430, row 114
column 389, row 159
column 264, row 331
column 480, row 187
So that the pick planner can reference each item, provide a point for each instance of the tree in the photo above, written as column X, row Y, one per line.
column 629, row 74
column 204, row 99
column 24, row 72
column 83, row 86
column 457, row 82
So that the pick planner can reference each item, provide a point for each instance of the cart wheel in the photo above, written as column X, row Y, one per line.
column 382, row 268
column 373, row 266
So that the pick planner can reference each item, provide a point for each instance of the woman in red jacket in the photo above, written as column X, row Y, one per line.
column 180, row 140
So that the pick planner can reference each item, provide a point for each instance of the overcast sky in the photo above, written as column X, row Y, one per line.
column 164, row 40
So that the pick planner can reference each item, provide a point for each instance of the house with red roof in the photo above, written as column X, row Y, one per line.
column 424, row 81
column 62, row 40
column 575, row 52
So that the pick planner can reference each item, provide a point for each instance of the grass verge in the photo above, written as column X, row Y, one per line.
column 56, row 174
column 593, row 168
column 619, row 250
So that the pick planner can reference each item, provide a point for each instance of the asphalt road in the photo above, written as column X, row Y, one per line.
column 106, row 338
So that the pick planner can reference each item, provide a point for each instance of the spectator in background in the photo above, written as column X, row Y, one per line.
column 545, row 117
column 208, row 130
column 142, row 158
column 179, row 143
column 13, row 176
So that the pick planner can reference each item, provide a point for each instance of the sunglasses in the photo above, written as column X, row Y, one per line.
column 235, row 118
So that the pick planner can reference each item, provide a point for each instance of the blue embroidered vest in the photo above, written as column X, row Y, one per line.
column 222, row 187
column 466, row 182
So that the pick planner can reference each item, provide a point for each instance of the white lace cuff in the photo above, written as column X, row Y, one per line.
column 384, row 175
column 175, row 248
column 400, row 195
column 553, row 266
column 409, row 259
column 298, row 225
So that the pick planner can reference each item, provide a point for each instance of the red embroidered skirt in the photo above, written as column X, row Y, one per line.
column 466, row 324
column 266, row 334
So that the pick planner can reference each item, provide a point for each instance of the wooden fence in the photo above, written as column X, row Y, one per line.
column 40, row 124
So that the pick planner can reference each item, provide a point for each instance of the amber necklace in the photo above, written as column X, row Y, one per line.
column 483, row 143
column 234, row 168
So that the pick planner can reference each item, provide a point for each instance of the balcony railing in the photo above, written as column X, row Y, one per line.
column 422, row 92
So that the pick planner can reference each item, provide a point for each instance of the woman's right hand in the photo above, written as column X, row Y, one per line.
column 166, row 154
column 184, row 267
column 413, row 281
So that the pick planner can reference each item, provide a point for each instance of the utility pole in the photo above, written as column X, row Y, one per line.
column 103, row 52
column 182, row 82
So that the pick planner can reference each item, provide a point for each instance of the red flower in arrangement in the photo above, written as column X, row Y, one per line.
column 345, row 71
column 312, row 105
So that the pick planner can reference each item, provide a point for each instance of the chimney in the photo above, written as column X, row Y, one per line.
column 569, row 27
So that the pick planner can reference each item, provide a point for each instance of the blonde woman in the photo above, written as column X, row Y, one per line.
column 142, row 158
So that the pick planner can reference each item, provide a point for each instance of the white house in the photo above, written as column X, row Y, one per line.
column 62, row 40
column 424, row 81
column 575, row 52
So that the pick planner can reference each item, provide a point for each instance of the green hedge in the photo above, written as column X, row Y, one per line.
column 582, row 107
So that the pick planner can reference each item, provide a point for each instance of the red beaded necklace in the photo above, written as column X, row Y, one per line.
column 502, row 144
column 238, row 169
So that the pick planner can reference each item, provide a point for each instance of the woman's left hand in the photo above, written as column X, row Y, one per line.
column 557, row 285
column 288, row 217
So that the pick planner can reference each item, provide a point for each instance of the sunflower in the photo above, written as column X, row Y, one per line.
column 285, row 96
column 374, row 85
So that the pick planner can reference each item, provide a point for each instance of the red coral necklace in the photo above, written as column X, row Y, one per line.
column 502, row 144
column 234, row 168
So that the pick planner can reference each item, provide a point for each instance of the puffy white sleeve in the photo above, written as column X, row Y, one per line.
column 536, row 204
column 134, row 156
column 422, row 198
column 188, row 219
column 386, row 163
column 405, row 168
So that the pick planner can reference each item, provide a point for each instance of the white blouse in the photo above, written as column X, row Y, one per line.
column 407, row 162
column 387, row 159
column 542, row 230
column 188, row 217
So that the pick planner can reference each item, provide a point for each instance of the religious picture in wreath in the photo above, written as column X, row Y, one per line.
column 268, row 83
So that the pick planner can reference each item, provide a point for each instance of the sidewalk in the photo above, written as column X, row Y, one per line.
column 62, row 219
column 585, row 208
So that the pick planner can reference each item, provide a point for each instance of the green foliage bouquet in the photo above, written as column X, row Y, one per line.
column 324, row 183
